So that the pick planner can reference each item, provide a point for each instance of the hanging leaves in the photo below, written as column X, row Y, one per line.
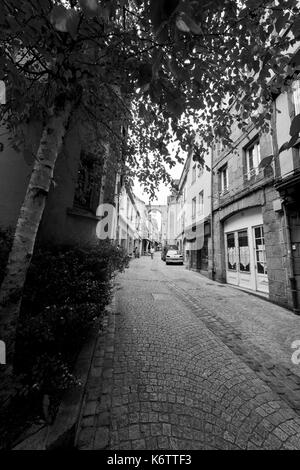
column 89, row 7
column 180, row 73
column 186, row 24
column 281, row 22
column 284, row 147
column 181, row 25
column 266, row 161
column 182, row 59
column 294, row 133
column 175, row 103
column 63, row 20
column 144, row 74
column 59, row 17
column 72, row 23
column 161, row 10
column 157, row 58
column 296, row 27
column 295, row 125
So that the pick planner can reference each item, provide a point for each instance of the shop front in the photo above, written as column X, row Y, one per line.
column 245, row 254
column 196, row 243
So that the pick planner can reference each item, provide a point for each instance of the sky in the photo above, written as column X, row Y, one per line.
column 163, row 191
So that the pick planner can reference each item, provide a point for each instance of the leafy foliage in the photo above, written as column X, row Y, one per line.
column 5, row 246
column 162, row 68
column 65, row 293
column 294, row 133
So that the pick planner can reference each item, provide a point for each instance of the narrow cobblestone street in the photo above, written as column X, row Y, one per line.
column 188, row 363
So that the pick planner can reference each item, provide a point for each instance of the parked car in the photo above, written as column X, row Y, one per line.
column 165, row 249
column 174, row 257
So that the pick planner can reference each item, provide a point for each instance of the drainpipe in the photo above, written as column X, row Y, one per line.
column 291, row 272
column 211, row 219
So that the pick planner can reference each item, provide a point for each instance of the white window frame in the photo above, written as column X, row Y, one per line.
column 194, row 207
column 296, row 95
column 223, row 173
column 254, row 151
column 201, row 203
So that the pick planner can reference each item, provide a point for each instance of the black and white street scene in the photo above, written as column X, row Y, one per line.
column 149, row 227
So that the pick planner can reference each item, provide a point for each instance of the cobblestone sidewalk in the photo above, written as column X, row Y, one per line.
column 173, row 371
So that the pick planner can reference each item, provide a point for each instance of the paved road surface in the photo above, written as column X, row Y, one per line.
column 187, row 363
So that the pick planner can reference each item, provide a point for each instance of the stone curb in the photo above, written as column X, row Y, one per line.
column 96, row 402
column 61, row 433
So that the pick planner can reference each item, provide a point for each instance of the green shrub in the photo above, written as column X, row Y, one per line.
column 66, row 291
column 71, row 275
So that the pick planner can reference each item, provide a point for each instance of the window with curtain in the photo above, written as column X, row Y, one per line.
column 252, row 159
column 194, row 207
column 223, row 179
column 296, row 95
column 201, row 203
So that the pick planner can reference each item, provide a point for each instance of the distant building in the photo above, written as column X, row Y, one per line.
column 130, row 220
column 172, row 209
column 161, row 211
column 194, row 213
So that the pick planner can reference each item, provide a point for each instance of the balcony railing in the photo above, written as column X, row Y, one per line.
column 255, row 173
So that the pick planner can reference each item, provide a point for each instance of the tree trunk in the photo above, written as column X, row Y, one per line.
column 27, row 226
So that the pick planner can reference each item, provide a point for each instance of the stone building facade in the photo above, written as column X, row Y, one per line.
column 70, row 215
column 287, row 183
column 251, row 212
column 248, row 229
column 193, row 214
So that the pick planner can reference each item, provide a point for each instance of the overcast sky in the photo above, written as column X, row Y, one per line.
column 163, row 192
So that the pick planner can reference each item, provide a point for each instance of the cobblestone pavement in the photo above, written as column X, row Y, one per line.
column 187, row 363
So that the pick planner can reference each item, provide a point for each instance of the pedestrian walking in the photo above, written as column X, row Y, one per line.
column 151, row 252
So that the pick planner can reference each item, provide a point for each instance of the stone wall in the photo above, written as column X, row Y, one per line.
column 276, row 251
column 279, row 290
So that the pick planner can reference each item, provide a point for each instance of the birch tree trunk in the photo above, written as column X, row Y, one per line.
column 27, row 226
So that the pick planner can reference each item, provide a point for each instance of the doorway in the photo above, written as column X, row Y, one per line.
column 245, row 254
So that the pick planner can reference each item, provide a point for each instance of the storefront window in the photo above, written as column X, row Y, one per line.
column 244, row 253
column 231, row 252
column 260, row 250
